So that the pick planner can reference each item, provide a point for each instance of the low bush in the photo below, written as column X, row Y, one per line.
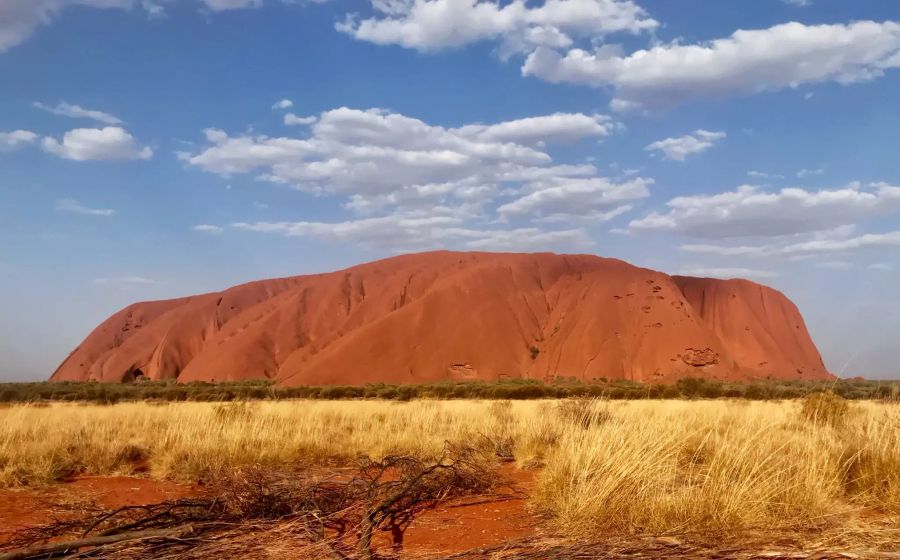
column 512, row 389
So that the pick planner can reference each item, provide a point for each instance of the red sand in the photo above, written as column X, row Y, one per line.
column 474, row 522
column 20, row 509
column 459, row 316
column 453, row 527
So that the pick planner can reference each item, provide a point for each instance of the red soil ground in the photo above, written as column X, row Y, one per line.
column 454, row 527
column 465, row 525
column 20, row 509
column 459, row 316
column 473, row 522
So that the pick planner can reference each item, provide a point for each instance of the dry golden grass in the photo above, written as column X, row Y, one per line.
column 646, row 466
column 191, row 440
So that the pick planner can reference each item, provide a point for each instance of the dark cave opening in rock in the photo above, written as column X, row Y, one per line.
column 136, row 376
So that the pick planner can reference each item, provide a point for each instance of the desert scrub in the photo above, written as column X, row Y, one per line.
column 674, row 466
column 190, row 441
column 872, row 475
column 538, row 434
column 500, row 436
column 825, row 408
column 619, row 466
column 106, row 393
column 585, row 412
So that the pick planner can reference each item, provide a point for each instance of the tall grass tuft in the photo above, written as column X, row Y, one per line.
column 676, row 466
column 825, row 408
column 872, row 475
column 584, row 412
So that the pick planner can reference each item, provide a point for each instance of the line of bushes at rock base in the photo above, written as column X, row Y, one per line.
column 690, row 388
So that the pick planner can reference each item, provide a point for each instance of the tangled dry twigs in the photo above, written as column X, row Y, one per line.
column 334, row 516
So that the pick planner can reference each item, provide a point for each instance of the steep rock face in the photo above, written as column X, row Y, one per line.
column 445, row 315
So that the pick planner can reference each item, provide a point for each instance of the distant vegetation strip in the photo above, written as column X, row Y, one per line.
column 691, row 388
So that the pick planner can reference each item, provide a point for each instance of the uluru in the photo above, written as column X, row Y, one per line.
column 458, row 316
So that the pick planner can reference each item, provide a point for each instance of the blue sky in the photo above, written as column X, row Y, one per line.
column 158, row 148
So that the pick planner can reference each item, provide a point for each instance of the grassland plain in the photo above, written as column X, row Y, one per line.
column 618, row 466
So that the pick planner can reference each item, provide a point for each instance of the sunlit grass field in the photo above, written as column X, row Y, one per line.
column 629, row 466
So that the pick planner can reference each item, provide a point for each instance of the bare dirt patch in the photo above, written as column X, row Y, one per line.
column 475, row 522
column 30, row 507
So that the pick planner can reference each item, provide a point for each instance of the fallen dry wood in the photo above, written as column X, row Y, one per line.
column 66, row 547
column 339, row 515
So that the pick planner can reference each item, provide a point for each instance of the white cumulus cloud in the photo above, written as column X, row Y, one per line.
column 418, row 230
column 291, row 119
column 563, row 199
column 415, row 185
column 380, row 159
column 109, row 143
column 431, row 25
column 749, row 61
column 556, row 128
column 751, row 211
column 16, row 139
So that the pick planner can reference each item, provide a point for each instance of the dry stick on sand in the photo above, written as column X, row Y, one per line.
column 382, row 495
column 71, row 547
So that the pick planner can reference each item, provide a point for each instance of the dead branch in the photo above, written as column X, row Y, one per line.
column 415, row 487
column 336, row 515
column 70, row 547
